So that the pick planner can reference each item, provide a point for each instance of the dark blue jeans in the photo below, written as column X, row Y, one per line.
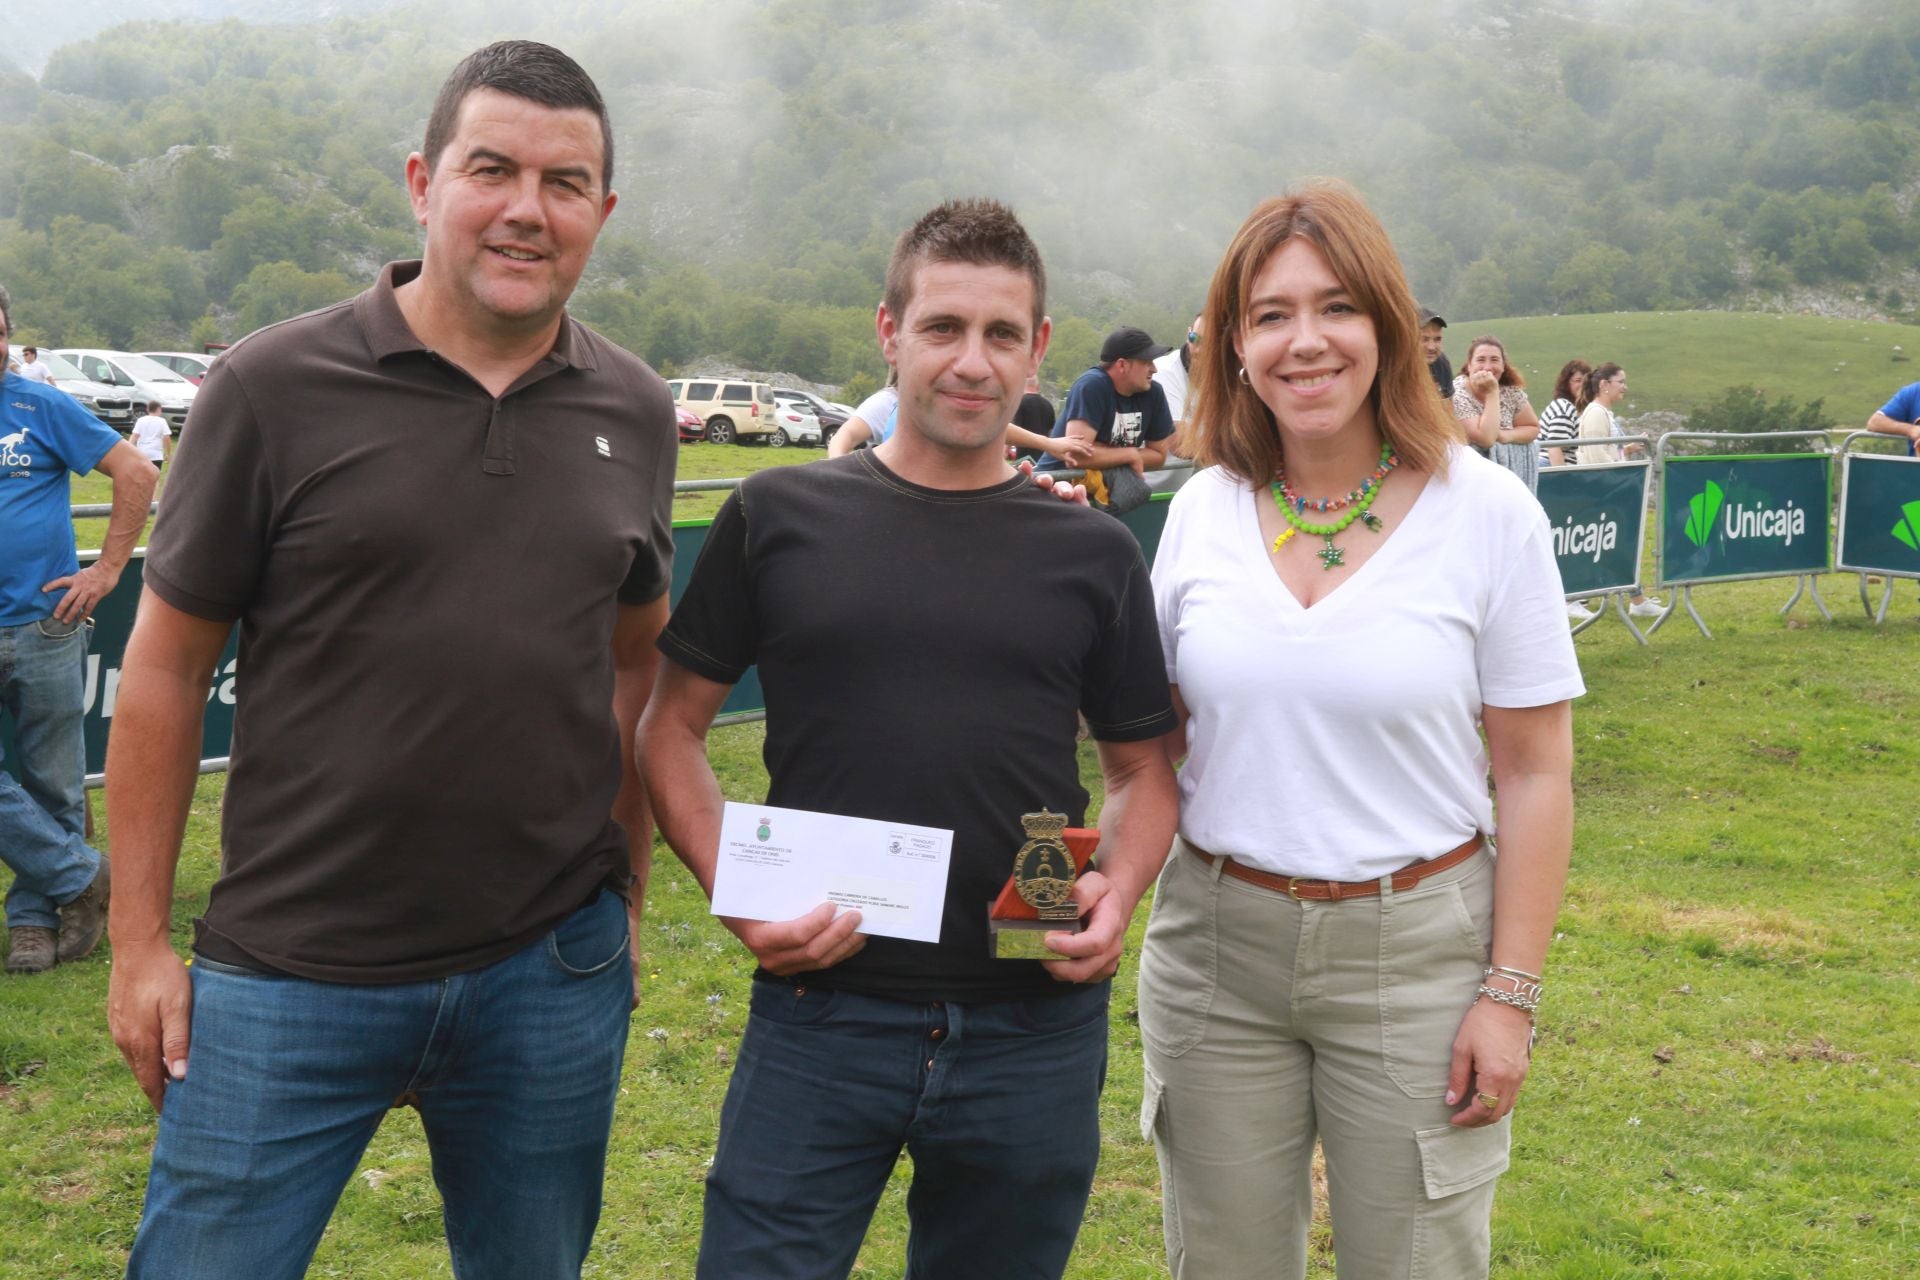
column 515, row 1067
column 998, row 1104
column 43, row 671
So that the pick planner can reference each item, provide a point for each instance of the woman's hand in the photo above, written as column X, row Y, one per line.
column 1490, row 1059
column 1483, row 384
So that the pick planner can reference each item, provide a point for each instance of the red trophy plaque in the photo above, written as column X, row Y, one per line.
column 1038, row 897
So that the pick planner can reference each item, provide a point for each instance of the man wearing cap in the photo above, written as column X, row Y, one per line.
column 1118, row 408
column 1431, row 325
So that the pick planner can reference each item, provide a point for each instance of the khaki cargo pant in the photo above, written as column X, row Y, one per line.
column 1268, row 1022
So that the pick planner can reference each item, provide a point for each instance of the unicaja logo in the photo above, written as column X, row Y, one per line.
column 1740, row 520
column 1907, row 529
column 1595, row 538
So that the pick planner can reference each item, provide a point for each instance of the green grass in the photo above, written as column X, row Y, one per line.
column 1729, row 1063
column 1681, row 359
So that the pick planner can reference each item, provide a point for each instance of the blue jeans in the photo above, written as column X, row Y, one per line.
column 43, row 815
column 998, row 1104
column 515, row 1068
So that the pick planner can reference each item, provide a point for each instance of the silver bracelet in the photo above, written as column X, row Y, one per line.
column 1511, row 972
column 1526, row 1003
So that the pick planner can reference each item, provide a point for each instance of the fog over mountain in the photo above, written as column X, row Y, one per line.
column 1584, row 155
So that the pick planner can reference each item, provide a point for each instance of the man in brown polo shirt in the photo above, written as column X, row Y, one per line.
column 441, row 514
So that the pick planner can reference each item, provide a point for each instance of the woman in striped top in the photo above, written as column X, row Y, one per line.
column 1560, row 420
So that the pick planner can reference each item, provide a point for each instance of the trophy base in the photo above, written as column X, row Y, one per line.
column 1026, row 939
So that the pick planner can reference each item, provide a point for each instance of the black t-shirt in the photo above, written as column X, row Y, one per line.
column 1123, row 421
column 1036, row 415
column 921, row 666
column 1442, row 371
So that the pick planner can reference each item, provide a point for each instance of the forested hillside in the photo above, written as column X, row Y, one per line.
column 167, row 183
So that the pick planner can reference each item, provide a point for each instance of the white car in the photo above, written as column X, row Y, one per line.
column 112, row 405
column 191, row 365
column 141, row 378
column 795, row 422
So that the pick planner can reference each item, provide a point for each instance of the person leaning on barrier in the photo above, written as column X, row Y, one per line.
column 988, row 1071
column 1900, row 416
column 1560, row 420
column 57, row 901
column 441, row 514
column 1334, row 951
column 1118, row 409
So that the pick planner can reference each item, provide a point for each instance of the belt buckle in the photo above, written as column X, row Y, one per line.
column 1294, row 883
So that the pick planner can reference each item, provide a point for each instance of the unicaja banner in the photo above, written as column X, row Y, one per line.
column 1744, row 517
column 1598, row 519
column 1879, row 515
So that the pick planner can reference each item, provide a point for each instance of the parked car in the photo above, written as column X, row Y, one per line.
column 691, row 428
column 140, row 377
column 732, row 409
column 112, row 405
column 193, row 367
column 794, row 423
column 832, row 416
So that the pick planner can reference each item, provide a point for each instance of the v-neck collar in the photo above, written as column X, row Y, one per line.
column 1253, row 544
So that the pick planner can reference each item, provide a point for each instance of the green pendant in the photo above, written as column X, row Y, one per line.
column 1331, row 555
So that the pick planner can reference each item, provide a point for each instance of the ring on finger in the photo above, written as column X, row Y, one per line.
column 1488, row 1100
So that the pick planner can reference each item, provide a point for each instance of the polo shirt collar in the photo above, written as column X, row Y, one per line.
column 388, row 333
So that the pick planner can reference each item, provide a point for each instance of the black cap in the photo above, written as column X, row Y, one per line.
column 1429, row 316
column 1130, row 344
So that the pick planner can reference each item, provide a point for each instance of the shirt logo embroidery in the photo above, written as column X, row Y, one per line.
column 12, row 457
column 600, row 444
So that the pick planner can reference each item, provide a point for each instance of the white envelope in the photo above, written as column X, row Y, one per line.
column 776, row 864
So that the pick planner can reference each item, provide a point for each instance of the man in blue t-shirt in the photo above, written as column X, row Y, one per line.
column 1900, row 416
column 1119, row 409
column 57, row 903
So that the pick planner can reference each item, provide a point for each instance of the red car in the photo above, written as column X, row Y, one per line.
column 691, row 428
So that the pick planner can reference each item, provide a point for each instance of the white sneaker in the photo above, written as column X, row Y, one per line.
column 1579, row 612
column 1648, row 608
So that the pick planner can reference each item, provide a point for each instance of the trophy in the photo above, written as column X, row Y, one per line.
column 1038, row 896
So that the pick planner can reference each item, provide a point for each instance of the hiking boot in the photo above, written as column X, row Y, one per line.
column 33, row 949
column 83, row 922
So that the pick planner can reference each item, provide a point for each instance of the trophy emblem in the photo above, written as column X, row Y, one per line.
column 1038, row 897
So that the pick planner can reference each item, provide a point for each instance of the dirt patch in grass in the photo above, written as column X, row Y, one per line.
column 1816, row 1050
column 1767, row 931
column 63, row 1192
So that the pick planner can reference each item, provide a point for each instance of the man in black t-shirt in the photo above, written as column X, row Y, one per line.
column 987, row 1071
column 1118, row 407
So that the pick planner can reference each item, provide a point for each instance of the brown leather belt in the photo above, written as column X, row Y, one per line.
column 1300, row 888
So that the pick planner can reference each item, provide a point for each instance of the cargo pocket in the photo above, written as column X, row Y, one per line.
column 1179, row 960
column 1152, row 1129
column 1459, row 1168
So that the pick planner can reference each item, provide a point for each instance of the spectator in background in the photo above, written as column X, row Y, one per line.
column 1171, row 372
column 871, row 423
column 1900, row 416
column 57, row 902
column 153, row 437
column 32, row 368
column 1035, row 416
column 1119, row 409
column 1490, row 401
column 1432, row 330
column 1560, row 420
column 1606, row 387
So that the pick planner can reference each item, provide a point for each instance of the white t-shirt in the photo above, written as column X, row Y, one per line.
column 35, row 371
column 1172, row 377
column 149, row 436
column 878, row 412
column 1342, row 742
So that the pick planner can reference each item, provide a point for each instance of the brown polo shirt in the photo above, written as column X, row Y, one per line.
column 425, row 577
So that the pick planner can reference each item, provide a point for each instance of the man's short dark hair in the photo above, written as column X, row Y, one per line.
column 525, row 69
column 982, row 232
column 30, row 350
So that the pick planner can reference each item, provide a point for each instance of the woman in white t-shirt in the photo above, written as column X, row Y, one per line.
column 1347, row 597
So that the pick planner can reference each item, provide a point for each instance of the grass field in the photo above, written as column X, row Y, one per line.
column 1729, row 1066
column 1682, row 359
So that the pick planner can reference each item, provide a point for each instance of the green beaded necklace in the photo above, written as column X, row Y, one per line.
column 1358, row 505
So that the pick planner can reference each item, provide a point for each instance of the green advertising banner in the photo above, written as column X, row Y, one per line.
column 1598, row 515
column 1760, row 516
column 1879, row 514
column 113, row 623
